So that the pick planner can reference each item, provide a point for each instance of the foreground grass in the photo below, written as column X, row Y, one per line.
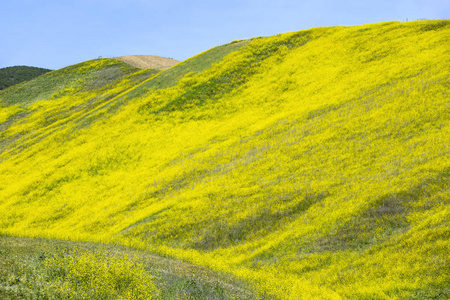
column 55, row 269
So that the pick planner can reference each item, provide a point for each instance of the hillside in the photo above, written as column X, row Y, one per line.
column 13, row 75
column 148, row 61
column 312, row 164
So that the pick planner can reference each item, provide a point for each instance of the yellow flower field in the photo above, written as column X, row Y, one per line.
column 314, row 164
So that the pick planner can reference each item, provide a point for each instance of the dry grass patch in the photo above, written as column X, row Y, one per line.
column 148, row 61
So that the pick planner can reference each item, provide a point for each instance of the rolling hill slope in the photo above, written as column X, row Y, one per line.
column 314, row 164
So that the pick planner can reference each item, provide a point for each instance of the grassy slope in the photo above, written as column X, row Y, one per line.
column 315, row 164
column 13, row 75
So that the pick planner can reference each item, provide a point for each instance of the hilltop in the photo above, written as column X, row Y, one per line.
column 13, row 75
column 148, row 61
column 312, row 164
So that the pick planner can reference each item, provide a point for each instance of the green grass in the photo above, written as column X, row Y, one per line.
column 26, row 272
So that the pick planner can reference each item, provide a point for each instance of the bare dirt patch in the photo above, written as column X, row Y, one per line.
column 148, row 61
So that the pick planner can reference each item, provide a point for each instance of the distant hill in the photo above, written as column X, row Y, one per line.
column 148, row 61
column 13, row 75
column 312, row 164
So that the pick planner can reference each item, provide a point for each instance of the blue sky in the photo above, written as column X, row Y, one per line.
column 57, row 33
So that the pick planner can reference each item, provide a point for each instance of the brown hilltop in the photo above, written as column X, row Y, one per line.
column 148, row 61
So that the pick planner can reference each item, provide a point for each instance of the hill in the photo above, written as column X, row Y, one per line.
column 313, row 164
column 13, row 75
column 148, row 61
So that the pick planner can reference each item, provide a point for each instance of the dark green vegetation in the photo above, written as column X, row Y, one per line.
column 24, row 272
column 13, row 75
